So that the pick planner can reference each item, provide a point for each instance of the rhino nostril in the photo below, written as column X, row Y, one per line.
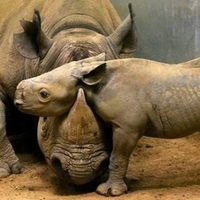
column 18, row 102
column 104, row 165
column 56, row 164
column 44, row 119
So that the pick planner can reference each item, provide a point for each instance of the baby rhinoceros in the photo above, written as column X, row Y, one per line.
column 135, row 96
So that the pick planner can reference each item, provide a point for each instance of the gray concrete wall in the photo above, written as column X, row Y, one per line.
column 169, row 30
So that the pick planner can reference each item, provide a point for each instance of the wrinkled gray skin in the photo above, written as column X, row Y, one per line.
column 69, row 30
column 135, row 96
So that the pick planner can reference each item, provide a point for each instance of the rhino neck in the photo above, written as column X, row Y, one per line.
column 77, row 21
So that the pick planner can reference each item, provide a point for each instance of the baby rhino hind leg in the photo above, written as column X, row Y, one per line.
column 9, row 163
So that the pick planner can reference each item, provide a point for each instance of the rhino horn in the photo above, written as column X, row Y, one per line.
column 33, row 42
column 81, row 124
column 125, row 36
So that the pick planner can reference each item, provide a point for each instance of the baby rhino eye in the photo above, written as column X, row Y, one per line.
column 44, row 93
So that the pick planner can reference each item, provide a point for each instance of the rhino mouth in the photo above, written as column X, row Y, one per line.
column 25, row 108
column 22, row 106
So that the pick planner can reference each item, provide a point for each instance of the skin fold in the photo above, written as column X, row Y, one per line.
column 57, row 32
column 135, row 96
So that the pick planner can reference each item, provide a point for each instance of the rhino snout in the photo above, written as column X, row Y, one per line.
column 19, row 96
column 18, row 101
column 80, row 171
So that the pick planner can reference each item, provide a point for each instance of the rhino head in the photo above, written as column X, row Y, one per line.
column 70, row 40
column 74, row 143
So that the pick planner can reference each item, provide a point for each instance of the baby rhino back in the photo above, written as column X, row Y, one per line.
column 173, row 103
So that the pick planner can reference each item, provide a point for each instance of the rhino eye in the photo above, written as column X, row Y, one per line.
column 44, row 93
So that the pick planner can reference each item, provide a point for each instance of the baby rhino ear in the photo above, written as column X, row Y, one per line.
column 90, row 73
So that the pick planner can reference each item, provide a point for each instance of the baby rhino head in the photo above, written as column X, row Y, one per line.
column 44, row 95
column 54, row 93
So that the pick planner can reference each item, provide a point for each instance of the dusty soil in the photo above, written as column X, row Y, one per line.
column 158, row 170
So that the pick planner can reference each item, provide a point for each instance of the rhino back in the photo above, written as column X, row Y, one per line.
column 172, row 101
column 168, row 95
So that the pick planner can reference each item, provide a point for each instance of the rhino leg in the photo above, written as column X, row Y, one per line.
column 9, row 163
column 123, row 145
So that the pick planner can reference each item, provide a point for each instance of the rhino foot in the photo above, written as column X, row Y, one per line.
column 112, row 188
column 6, row 169
column 9, row 162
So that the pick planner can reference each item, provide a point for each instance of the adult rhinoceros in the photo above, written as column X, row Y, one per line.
column 69, row 30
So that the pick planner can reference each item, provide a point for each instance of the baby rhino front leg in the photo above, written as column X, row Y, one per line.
column 123, row 144
column 9, row 163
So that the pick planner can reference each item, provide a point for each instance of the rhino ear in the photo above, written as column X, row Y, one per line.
column 125, row 38
column 32, row 43
column 90, row 74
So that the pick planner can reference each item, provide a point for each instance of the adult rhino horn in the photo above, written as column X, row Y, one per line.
column 81, row 124
column 33, row 42
column 125, row 38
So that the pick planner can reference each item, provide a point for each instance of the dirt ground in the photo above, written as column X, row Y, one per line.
column 158, row 170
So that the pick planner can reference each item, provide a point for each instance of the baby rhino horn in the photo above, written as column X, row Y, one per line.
column 81, row 125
